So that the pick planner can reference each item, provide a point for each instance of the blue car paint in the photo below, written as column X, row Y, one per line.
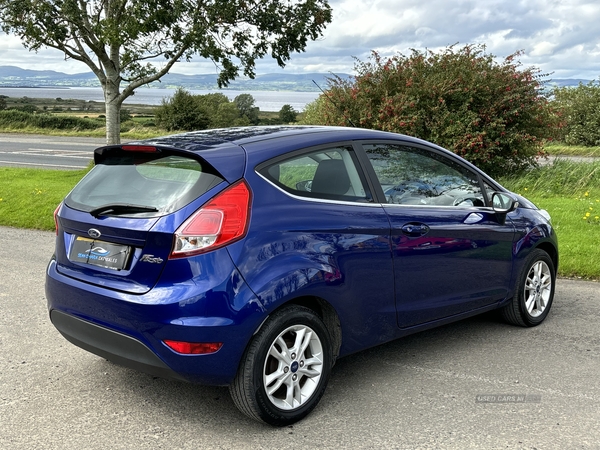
column 294, row 249
column 206, row 305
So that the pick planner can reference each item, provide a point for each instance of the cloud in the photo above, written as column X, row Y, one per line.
column 558, row 36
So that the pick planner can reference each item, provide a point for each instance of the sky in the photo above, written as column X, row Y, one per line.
column 560, row 37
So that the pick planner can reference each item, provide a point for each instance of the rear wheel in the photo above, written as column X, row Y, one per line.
column 535, row 292
column 285, row 369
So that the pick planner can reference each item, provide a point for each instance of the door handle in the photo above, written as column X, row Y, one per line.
column 415, row 229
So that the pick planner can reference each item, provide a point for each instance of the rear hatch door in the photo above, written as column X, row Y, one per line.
column 115, row 229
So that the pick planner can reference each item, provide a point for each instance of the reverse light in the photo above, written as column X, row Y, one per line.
column 194, row 348
column 221, row 221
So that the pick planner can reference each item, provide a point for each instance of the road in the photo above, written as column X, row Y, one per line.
column 420, row 392
column 69, row 153
column 48, row 152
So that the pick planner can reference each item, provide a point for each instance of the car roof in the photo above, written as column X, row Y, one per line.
column 210, row 139
column 229, row 149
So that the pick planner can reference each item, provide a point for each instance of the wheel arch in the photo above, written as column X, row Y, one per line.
column 328, row 315
column 552, row 252
column 325, row 311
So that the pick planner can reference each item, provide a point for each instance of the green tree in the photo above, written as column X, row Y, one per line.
column 227, row 115
column 579, row 107
column 124, row 115
column 187, row 112
column 130, row 43
column 287, row 114
column 181, row 112
column 2, row 103
column 492, row 113
column 28, row 108
column 245, row 105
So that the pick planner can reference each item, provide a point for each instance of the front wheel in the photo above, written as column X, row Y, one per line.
column 285, row 369
column 535, row 292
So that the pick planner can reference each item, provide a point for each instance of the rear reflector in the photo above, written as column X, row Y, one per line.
column 221, row 221
column 194, row 348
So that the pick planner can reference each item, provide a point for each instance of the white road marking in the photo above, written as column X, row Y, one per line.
column 41, row 164
column 77, row 154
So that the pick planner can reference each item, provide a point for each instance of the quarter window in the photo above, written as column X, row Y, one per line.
column 329, row 174
column 413, row 176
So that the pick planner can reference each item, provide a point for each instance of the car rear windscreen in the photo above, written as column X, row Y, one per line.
column 142, row 185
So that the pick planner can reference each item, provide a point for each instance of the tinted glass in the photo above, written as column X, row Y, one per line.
column 163, row 184
column 329, row 174
column 414, row 176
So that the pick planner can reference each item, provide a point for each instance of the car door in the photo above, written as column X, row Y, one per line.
column 317, row 232
column 452, row 254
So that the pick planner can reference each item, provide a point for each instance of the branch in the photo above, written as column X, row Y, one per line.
column 129, row 90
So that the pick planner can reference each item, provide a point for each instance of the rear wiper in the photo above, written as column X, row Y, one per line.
column 121, row 208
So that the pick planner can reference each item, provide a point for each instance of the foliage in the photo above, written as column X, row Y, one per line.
column 2, row 103
column 245, row 105
column 125, row 115
column 25, row 108
column 14, row 119
column 580, row 109
column 181, row 112
column 130, row 43
column 287, row 114
column 227, row 115
column 187, row 112
column 318, row 111
column 493, row 114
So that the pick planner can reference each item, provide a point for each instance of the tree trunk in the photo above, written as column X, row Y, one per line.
column 113, row 113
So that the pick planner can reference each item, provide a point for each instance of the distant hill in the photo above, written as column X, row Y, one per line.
column 567, row 82
column 12, row 76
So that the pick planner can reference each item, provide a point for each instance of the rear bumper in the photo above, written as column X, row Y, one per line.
column 130, row 329
column 116, row 347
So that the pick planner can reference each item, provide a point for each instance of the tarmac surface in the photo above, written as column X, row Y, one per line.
column 475, row 384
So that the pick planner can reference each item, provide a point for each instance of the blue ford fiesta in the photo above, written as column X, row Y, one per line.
column 255, row 257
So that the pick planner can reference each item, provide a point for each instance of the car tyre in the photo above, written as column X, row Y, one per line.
column 285, row 369
column 535, row 291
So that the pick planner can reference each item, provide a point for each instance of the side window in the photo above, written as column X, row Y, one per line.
column 329, row 174
column 412, row 176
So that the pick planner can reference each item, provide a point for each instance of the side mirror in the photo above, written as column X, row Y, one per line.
column 502, row 204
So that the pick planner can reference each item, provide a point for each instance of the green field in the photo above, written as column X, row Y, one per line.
column 569, row 191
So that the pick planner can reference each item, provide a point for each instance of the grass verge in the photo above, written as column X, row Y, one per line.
column 558, row 149
column 569, row 191
column 28, row 197
column 132, row 134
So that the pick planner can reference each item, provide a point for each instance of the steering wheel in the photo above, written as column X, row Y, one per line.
column 464, row 198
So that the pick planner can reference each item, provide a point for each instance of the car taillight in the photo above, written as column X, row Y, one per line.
column 194, row 348
column 56, row 217
column 221, row 221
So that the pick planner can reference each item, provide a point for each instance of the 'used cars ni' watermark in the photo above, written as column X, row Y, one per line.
column 508, row 398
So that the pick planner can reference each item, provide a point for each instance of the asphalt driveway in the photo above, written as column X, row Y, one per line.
column 474, row 384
